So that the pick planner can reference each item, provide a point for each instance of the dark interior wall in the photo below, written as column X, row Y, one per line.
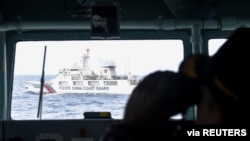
column 39, row 10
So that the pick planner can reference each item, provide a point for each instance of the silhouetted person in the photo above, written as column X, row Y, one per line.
column 217, row 85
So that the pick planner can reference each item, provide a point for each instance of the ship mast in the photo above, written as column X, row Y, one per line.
column 85, row 58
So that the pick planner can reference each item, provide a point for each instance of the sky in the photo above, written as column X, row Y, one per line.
column 214, row 45
column 137, row 57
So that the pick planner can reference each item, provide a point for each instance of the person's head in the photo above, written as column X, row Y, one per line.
column 229, row 75
column 159, row 96
column 224, row 89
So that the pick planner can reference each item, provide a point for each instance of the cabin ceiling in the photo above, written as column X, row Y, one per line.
column 62, row 10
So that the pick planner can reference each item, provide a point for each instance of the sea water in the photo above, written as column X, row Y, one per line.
column 24, row 105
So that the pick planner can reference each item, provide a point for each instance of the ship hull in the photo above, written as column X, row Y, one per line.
column 88, row 86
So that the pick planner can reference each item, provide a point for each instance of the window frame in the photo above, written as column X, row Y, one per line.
column 82, row 35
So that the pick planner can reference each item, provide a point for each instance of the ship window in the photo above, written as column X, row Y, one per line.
column 110, row 83
column 78, row 83
column 125, row 62
column 76, row 77
column 63, row 83
column 93, row 83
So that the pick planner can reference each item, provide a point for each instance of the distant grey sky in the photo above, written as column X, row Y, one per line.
column 137, row 57
column 214, row 45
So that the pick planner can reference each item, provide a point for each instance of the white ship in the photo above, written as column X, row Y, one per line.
column 84, row 80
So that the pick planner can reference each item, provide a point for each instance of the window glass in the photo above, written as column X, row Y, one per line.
column 85, row 76
column 214, row 45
